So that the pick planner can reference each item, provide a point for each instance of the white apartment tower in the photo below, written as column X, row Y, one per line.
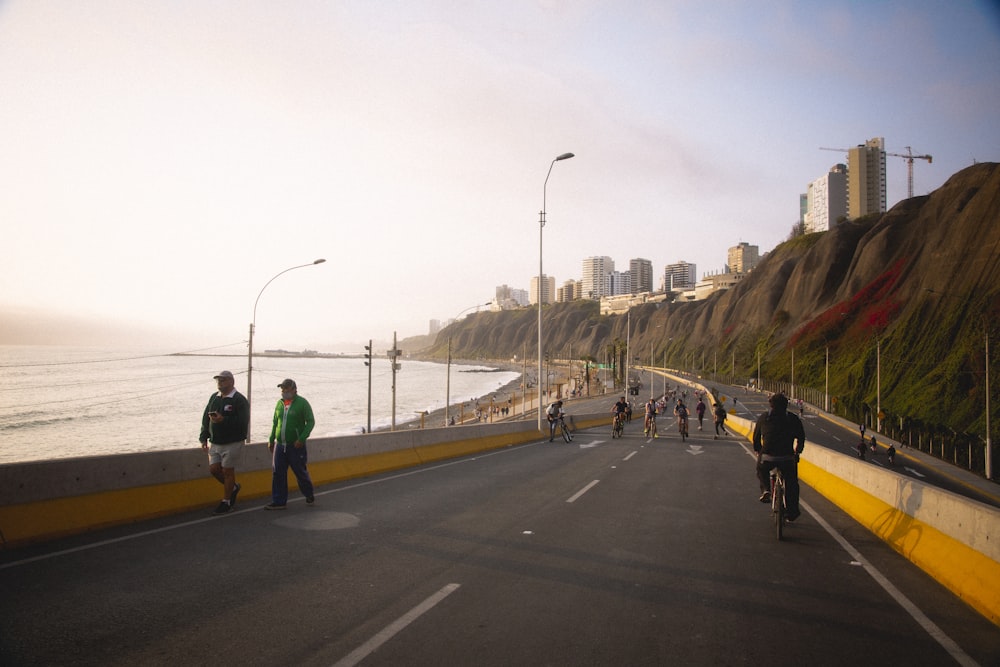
column 826, row 200
column 641, row 271
column 548, row 290
column 866, row 179
column 679, row 276
column 595, row 270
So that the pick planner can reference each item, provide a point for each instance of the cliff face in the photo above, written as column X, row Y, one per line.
column 922, row 279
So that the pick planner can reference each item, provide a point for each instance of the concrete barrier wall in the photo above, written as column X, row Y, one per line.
column 42, row 500
column 954, row 539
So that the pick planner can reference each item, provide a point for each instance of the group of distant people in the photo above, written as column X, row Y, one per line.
column 224, row 426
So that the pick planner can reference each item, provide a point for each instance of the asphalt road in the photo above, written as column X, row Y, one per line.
column 597, row 552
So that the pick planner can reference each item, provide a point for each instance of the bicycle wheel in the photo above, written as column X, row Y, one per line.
column 652, row 428
column 778, row 506
column 567, row 436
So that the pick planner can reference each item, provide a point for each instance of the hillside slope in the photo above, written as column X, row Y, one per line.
column 919, row 284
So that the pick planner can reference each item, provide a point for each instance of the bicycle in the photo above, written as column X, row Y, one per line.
column 651, row 426
column 778, row 508
column 617, row 426
column 566, row 435
column 682, row 426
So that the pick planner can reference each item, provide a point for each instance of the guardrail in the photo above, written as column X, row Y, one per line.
column 43, row 500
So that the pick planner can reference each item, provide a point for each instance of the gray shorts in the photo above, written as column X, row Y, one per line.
column 226, row 455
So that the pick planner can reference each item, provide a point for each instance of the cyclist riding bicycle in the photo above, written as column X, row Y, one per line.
column 619, row 410
column 650, row 416
column 681, row 412
column 774, row 439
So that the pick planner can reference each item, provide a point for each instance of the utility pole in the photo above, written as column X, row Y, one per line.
column 368, row 363
column 393, row 355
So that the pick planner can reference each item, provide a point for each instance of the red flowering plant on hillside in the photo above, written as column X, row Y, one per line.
column 873, row 307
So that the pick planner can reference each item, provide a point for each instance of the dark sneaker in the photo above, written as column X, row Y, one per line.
column 222, row 508
column 765, row 497
column 232, row 496
column 274, row 506
column 310, row 500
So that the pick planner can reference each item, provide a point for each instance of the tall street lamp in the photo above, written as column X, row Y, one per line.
column 253, row 323
column 541, row 225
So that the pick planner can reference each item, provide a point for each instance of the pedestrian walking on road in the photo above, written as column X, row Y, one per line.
column 720, row 420
column 700, row 410
column 293, row 423
column 224, row 422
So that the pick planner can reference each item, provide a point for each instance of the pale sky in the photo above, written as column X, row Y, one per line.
column 161, row 161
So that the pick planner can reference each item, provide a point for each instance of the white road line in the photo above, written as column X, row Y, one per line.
column 631, row 454
column 394, row 628
column 931, row 628
column 582, row 491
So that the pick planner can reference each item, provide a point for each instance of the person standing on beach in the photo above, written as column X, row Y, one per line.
column 293, row 423
column 225, row 422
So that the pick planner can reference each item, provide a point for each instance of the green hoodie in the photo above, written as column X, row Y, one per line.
column 296, row 426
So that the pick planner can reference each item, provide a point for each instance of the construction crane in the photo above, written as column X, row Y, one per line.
column 908, row 156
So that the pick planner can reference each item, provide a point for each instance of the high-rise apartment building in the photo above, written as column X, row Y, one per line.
column 680, row 276
column 827, row 200
column 594, row 271
column 548, row 289
column 568, row 292
column 617, row 283
column 866, row 179
column 641, row 271
column 743, row 258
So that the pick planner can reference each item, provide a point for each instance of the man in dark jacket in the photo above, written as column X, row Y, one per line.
column 224, row 422
column 774, row 440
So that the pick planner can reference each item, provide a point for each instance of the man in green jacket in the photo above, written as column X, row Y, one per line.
column 293, row 423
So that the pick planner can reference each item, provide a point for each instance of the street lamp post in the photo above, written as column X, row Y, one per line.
column 253, row 324
column 541, row 226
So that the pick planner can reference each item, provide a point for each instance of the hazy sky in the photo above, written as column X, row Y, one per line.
column 161, row 161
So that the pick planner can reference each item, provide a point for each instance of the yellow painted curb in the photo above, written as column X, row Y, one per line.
column 970, row 575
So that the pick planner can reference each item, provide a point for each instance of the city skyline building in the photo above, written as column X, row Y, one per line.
column 595, row 270
column 826, row 200
column 641, row 272
column 866, row 189
column 743, row 258
column 679, row 276
column 548, row 290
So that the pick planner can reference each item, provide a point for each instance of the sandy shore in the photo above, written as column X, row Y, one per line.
column 511, row 390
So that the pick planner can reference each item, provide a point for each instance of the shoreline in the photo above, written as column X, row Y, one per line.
column 436, row 419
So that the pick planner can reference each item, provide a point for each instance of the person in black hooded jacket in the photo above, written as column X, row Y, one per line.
column 778, row 439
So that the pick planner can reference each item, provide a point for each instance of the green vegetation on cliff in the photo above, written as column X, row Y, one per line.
column 902, row 302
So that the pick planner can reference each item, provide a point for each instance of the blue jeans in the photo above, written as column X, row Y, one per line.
column 282, row 459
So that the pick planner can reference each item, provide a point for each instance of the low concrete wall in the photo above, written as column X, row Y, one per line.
column 954, row 539
column 42, row 500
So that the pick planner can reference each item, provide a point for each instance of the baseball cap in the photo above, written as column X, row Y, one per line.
column 287, row 383
column 224, row 374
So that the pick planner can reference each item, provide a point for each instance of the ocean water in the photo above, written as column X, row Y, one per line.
column 59, row 402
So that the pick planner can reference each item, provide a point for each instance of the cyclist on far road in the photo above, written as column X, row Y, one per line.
column 619, row 410
column 650, row 416
column 774, row 439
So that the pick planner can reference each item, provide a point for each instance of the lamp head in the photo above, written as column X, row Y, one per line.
column 319, row 261
column 564, row 156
